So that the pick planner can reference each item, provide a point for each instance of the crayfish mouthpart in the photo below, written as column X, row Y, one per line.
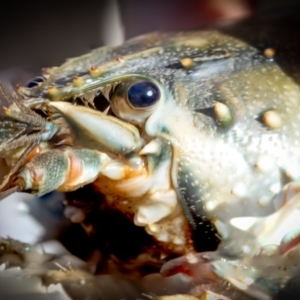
column 91, row 129
column 195, row 265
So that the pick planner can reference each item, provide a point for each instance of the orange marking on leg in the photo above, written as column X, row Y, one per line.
column 74, row 172
column 34, row 152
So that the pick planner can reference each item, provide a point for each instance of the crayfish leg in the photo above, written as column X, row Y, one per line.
column 63, row 169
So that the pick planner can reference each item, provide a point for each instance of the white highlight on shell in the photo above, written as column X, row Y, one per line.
column 151, row 213
column 246, row 249
column 265, row 163
column 159, row 206
column 58, row 289
column 222, row 112
column 248, row 280
column 151, row 148
column 275, row 188
column 153, row 228
column 178, row 240
column 171, row 231
column 293, row 171
column 192, row 258
column 243, row 223
column 114, row 170
column 264, row 201
column 272, row 119
column 239, row 190
column 211, row 205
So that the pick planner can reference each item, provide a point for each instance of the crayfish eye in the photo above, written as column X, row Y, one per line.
column 135, row 99
column 143, row 94
column 34, row 82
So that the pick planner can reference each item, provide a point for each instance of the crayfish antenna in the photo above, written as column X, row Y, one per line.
column 8, row 192
column 5, row 95
column 4, row 186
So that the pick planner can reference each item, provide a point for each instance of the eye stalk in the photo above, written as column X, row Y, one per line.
column 143, row 94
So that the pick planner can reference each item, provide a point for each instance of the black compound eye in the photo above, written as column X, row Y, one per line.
column 34, row 82
column 143, row 94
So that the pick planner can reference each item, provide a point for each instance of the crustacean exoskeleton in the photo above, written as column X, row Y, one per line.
column 192, row 136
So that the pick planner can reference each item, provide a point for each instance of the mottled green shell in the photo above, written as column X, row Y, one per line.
column 230, row 111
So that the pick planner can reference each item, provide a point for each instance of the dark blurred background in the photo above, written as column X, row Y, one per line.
column 43, row 33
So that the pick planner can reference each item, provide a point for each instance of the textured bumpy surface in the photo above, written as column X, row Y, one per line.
column 177, row 145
